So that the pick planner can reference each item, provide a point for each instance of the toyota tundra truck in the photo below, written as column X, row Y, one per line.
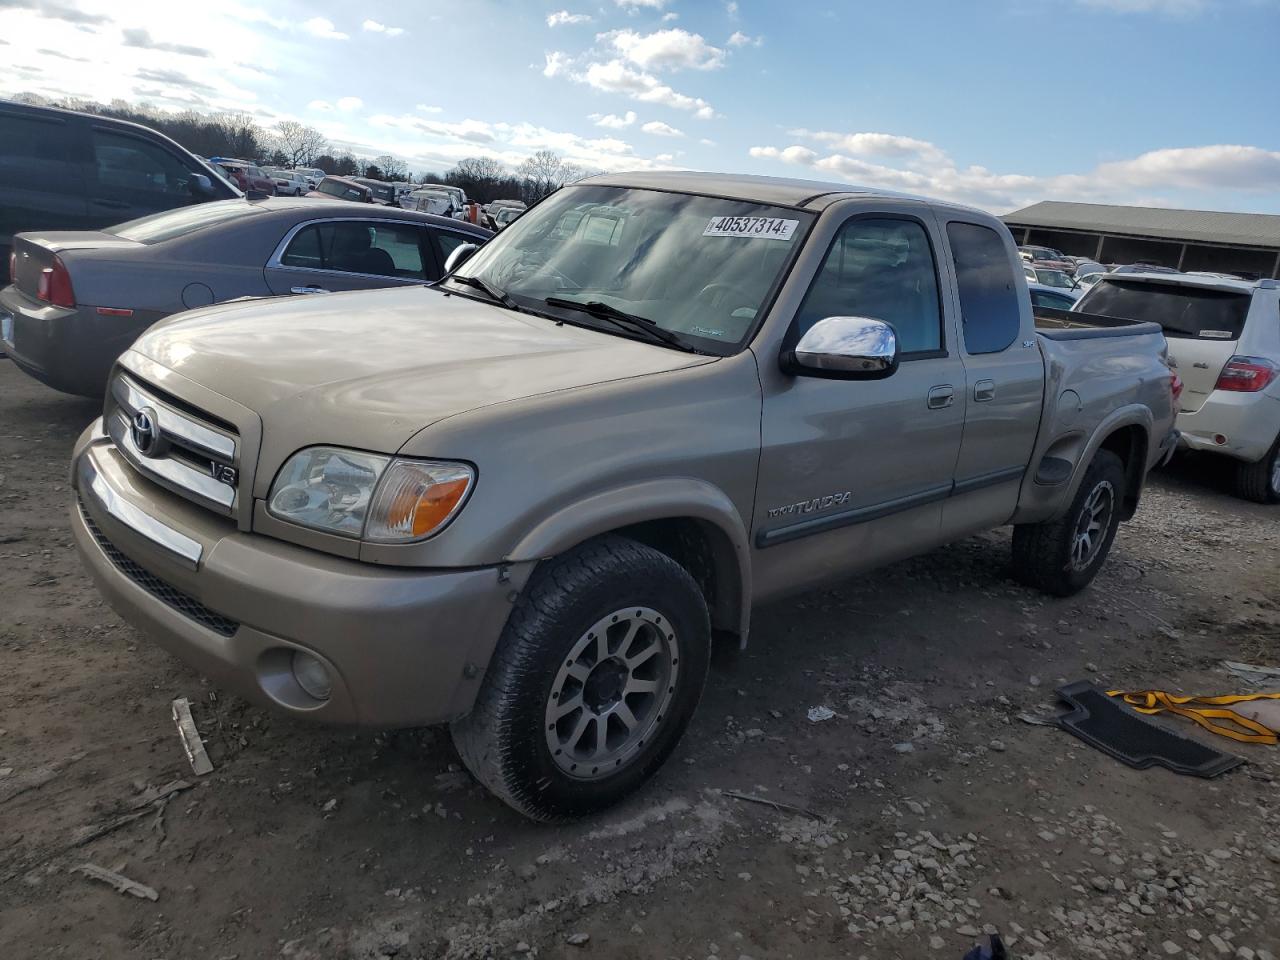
column 523, row 501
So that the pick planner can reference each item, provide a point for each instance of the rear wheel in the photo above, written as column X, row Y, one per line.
column 593, row 682
column 1260, row 482
column 1063, row 556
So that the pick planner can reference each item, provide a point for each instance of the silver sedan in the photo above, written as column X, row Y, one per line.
column 77, row 300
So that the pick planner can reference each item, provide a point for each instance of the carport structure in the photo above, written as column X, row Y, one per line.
column 1247, row 244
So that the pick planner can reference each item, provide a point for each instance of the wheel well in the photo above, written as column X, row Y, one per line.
column 1130, row 445
column 707, row 553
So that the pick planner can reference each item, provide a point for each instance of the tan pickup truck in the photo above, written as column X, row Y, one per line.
column 521, row 502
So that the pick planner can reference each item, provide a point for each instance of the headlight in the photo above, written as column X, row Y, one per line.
column 364, row 495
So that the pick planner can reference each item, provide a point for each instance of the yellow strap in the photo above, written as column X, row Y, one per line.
column 1243, row 729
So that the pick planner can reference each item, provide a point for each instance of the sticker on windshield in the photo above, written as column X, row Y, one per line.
column 759, row 228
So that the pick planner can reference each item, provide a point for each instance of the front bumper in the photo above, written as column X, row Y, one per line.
column 402, row 647
column 71, row 349
column 1239, row 425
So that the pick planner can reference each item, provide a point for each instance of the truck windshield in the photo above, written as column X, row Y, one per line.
column 701, row 267
column 1182, row 310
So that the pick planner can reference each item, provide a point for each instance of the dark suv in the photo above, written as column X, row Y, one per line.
column 61, row 170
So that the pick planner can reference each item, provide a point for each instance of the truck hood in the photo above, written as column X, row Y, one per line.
column 371, row 368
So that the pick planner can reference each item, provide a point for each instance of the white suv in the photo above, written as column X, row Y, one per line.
column 1225, row 336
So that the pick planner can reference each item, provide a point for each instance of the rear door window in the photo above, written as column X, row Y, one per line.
column 1183, row 311
column 41, row 185
column 988, row 294
column 129, row 165
column 360, row 246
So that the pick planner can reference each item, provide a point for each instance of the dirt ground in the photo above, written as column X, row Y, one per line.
column 926, row 808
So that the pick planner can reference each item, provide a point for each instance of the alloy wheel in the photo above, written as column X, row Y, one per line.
column 1092, row 525
column 611, row 693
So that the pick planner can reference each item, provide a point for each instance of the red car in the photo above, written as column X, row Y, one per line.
column 248, row 176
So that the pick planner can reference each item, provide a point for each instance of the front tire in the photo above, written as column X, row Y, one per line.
column 594, row 680
column 1260, row 482
column 1062, row 556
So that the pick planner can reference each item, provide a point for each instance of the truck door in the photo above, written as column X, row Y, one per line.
column 853, row 473
column 1003, row 376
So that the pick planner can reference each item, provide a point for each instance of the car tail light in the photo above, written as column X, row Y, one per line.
column 1175, row 387
column 55, row 285
column 1247, row 374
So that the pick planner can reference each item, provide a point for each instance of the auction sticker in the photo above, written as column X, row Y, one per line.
column 760, row 228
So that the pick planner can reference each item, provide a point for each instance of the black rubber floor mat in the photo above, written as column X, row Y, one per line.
column 1117, row 729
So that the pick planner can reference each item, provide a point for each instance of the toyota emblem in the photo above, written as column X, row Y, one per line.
column 145, row 433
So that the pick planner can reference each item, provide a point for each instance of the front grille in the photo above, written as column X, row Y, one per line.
column 194, row 455
column 175, row 599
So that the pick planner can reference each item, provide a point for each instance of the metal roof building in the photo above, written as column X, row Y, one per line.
column 1242, row 243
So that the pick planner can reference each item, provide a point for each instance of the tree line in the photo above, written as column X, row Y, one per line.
column 292, row 144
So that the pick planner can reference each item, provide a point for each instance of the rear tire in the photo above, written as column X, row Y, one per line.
column 1062, row 556
column 1260, row 482
column 546, row 734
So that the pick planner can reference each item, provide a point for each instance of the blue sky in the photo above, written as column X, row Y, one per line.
column 993, row 102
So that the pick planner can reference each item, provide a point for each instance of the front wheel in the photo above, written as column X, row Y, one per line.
column 1062, row 556
column 1260, row 482
column 594, row 680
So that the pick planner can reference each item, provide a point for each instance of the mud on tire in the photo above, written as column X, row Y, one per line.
column 1062, row 556
column 582, row 633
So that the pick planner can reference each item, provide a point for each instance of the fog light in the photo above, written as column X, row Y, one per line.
column 1219, row 439
column 312, row 675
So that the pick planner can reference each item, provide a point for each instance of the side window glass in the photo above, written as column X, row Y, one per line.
column 304, row 250
column 35, row 153
column 883, row 269
column 128, row 163
column 379, row 249
column 449, row 242
column 988, row 296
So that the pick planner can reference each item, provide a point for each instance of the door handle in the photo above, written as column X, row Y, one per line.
column 308, row 290
column 984, row 390
column 940, row 397
column 110, row 204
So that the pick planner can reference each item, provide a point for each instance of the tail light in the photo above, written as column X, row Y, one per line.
column 1247, row 374
column 55, row 285
column 1175, row 387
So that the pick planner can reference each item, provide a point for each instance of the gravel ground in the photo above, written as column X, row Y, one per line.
column 922, row 813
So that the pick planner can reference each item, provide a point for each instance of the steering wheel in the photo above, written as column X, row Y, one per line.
column 719, row 294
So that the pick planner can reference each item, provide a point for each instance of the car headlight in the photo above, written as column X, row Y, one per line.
column 367, row 496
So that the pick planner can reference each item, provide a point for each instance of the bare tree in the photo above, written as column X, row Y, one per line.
column 392, row 168
column 299, row 143
column 546, row 172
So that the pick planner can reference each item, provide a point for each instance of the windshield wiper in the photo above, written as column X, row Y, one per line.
column 489, row 290
column 629, row 321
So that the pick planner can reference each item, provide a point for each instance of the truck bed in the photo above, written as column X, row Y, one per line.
column 1074, row 325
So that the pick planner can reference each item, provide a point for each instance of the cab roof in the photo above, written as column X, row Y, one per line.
column 783, row 191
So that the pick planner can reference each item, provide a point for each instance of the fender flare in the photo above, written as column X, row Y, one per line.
column 673, row 498
column 1130, row 415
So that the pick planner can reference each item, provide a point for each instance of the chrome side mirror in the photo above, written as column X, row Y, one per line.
column 845, row 348
column 460, row 255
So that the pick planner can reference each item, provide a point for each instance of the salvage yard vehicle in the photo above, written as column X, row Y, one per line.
column 342, row 188
column 1224, row 335
column 62, row 170
column 521, row 501
column 77, row 300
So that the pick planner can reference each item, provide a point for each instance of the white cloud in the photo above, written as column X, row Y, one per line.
column 918, row 166
column 564, row 17
column 616, row 77
column 324, row 29
column 557, row 63
column 373, row 26
column 428, row 108
column 670, row 17
column 347, row 104
column 614, row 122
column 660, row 129
column 473, row 131
column 321, row 106
column 637, row 4
column 672, row 49
column 740, row 39
column 707, row 142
